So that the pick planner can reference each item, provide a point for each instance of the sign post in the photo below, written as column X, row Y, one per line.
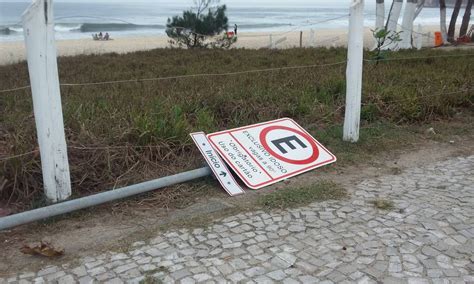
column 266, row 153
column 38, row 26
column 216, row 164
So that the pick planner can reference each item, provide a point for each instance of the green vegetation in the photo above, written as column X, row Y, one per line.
column 294, row 197
column 150, row 280
column 383, row 204
column 383, row 38
column 195, row 28
column 139, row 130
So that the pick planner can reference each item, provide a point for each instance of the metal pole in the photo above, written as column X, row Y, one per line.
column 96, row 199
column 301, row 39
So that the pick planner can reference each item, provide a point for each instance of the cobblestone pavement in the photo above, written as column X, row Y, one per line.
column 427, row 238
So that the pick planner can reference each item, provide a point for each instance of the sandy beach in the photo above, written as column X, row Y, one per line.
column 13, row 52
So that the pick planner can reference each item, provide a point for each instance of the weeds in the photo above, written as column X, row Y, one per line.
column 294, row 197
column 384, row 38
column 383, row 204
column 138, row 131
column 150, row 280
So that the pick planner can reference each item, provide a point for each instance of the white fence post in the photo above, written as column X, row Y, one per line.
column 312, row 38
column 38, row 26
column 354, row 71
column 419, row 37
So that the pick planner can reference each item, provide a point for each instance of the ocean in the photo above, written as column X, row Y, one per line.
column 124, row 19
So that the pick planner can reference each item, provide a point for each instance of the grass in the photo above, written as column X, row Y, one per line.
column 295, row 197
column 150, row 280
column 383, row 204
column 138, row 131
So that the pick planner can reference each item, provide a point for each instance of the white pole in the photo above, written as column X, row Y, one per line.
column 379, row 14
column 38, row 29
column 379, row 18
column 394, row 14
column 442, row 20
column 392, row 22
column 407, row 24
column 419, row 37
column 311, row 38
column 354, row 71
column 271, row 41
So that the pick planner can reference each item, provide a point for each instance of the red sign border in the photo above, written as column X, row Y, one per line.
column 310, row 139
column 273, row 180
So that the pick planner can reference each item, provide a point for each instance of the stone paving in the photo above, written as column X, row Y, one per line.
column 428, row 237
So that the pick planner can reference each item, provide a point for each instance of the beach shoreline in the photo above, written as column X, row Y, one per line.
column 14, row 52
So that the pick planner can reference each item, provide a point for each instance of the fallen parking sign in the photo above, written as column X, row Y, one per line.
column 265, row 153
column 217, row 166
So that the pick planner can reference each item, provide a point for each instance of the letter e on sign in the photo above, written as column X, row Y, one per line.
column 265, row 153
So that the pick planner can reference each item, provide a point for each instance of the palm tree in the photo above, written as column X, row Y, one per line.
column 392, row 22
column 407, row 24
column 466, row 18
column 452, row 23
column 380, row 14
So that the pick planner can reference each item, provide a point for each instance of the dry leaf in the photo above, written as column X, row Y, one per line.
column 5, row 212
column 43, row 248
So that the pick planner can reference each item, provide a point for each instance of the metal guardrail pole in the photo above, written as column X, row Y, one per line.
column 96, row 199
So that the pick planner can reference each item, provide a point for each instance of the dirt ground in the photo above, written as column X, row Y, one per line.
column 116, row 226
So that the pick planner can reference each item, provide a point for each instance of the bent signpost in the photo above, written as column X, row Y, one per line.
column 216, row 164
column 265, row 153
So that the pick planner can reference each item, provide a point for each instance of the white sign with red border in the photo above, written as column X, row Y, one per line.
column 265, row 153
column 216, row 164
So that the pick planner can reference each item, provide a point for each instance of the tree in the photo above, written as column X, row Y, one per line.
column 452, row 23
column 392, row 22
column 197, row 29
column 466, row 18
column 379, row 19
column 407, row 24
column 419, row 7
column 383, row 38
column 380, row 14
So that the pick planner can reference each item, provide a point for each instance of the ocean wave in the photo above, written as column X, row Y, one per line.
column 84, row 27
column 66, row 27
column 261, row 26
column 107, row 27
column 10, row 30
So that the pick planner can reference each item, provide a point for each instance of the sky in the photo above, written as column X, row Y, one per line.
column 270, row 3
column 312, row 2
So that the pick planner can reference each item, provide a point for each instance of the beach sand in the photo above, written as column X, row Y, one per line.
column 13, row 52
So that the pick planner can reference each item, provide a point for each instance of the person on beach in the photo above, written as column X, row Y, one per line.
column 106, row 37
column 100, row 36
column 235, row 29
